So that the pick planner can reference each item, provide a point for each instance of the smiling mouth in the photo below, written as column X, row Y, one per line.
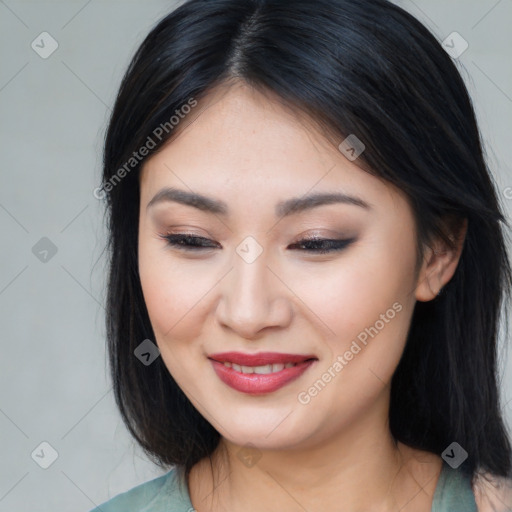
column 260, row 359
column 262, row 369
column 268, row 372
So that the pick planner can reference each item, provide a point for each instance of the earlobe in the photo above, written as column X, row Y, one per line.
column 429, row 284
column 439, row 265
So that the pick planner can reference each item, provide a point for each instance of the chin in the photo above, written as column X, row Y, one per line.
column 270, row 434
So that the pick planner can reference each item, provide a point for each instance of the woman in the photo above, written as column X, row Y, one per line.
column 307, row 265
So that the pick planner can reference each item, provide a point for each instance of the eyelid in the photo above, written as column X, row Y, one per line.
column 330, row 245
column 314, row 235
column 184, row 234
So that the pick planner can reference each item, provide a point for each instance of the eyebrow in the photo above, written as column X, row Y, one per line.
column 283, row 208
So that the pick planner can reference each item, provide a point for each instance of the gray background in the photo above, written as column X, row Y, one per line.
column 54, row 385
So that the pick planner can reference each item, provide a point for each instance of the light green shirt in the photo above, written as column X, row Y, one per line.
column 453, row 494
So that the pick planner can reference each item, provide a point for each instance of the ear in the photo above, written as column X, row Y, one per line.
column 439, row 264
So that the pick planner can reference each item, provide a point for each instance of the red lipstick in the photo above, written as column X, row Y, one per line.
column 278, row 372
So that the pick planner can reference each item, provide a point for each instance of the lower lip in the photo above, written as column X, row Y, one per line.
column 256, row 383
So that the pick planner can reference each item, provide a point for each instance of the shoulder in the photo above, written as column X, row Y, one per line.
column 492, row 493
column 151, row 496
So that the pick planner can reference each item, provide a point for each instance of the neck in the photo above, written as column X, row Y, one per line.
column 362, row 468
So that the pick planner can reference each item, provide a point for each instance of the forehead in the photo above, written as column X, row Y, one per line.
column 240, row 143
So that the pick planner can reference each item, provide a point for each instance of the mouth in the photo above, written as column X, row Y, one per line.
column 260, row 359
column 259, row 373
column 261, row 369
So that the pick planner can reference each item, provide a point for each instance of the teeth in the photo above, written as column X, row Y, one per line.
column 262, row 370
column 268, row 368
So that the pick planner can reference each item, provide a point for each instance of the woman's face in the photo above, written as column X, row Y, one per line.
column 256, row 289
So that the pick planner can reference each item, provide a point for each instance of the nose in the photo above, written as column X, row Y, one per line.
column 253, row 299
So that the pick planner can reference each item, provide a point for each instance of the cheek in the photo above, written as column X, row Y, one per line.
column 365, row 305
column 175, row 309
column 172, row 294
column 351, row 293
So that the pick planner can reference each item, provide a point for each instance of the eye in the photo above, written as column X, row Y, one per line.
column 189, row 242
column 323, row 245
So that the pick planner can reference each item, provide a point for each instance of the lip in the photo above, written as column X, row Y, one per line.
column 260, row 359
column 255, row 383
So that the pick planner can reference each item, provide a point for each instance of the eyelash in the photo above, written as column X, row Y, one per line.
column 181, row 241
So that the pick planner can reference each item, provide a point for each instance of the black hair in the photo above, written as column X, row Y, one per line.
column 356, row 67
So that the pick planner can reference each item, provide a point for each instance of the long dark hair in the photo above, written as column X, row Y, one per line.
column 355, row 67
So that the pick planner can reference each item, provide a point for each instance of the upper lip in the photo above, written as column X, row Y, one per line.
column 260, row 359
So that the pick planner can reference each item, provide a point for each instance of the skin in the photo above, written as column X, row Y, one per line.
column 246, row 149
